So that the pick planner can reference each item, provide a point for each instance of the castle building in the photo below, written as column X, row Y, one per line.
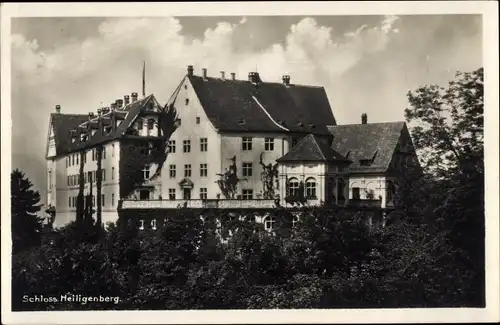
column 222, row 143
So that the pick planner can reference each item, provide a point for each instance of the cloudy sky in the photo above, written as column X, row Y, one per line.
column 366, row 63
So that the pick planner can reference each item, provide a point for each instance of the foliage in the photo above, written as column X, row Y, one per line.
column 430, row 253
column 26, row 224
column 138, row 152
column 449, row 133
column 269, row 178
column 228, row 181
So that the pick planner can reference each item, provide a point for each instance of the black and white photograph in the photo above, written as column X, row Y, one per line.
column 244, row 157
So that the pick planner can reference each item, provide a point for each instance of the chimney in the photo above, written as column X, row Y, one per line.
column 254, row 77
column 105, row 110
column 190, row 70
column 233, row 76
column 286, row 80
column 364, row 118
column 99, row 111
column 91, row 115
column 222, row 75
column 113, row 106
column 204, row 73
column 134, row 97
column 58, row 109
column 126, row 99
column 119, row 103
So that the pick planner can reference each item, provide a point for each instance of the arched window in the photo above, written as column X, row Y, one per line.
column 311, row 188
column 293, row 186
column 153, row 224
column 295, row 220
column 269, row 223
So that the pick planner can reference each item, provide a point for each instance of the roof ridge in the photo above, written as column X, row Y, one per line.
column 375, row 123
column 317, row 145
column 263, row 82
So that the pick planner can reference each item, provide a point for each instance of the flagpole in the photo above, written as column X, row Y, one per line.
column 144, row 79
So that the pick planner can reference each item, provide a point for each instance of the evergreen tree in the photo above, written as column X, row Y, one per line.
column 26, row 224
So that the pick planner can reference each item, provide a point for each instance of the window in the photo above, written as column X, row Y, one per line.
column 112, row 173
column 293, row 186
column 72, row 160
column 145, row 172
column 203, row 193
column 295, row 220
column 269, row 223
column 204, row 144
column 246, row 143
column 77, row 159
column 171, row 193
column 69, row 201
column 103, row 174
column 247, row 169
column 84, row 178
column 112, row 199
column 187, row 101
column 311, row 188
column 103, row 199
column 185, row 87
column 203, row 170
column 355, row 193
column 269, row 144
column 141, row 224
column 93, row 200
column 247, row 194
column 112, row 150
column 178, row 122
column 151, row 124
column 73, row 201
column 197, row 120
column 139, row 124
column 187, row 170
column 172, row 171
column 295, row 140
column 186, row 145
column 107, row 129
column 93, row 154
column 89, row 177
column 153, row 224
column 365, row 162
column 171, row 146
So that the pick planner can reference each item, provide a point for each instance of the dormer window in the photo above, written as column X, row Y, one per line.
column 83, row 137
column 107, row 129
column 241, row 122
column 365, row 162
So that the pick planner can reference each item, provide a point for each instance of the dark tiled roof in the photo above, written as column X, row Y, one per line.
column 311, row 148
column 375, row 141
column 63, row 123
column 237, row 105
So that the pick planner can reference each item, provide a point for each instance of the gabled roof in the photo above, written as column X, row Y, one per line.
column 310, row 149
column 63, row 123
column 239, row 106
column 375, row 141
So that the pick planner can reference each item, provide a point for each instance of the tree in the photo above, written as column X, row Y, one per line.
column 26, row 224
column 449, row 136
column 449, row 133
